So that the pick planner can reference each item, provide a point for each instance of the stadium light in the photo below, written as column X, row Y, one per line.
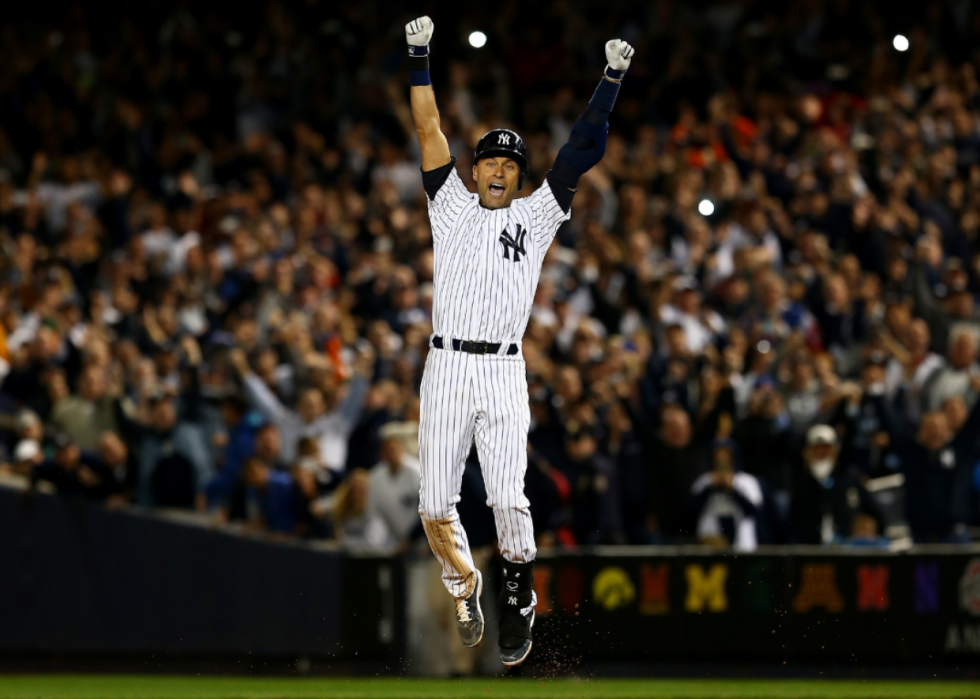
column 900, row 42
column 706, row 208
column 478, row 40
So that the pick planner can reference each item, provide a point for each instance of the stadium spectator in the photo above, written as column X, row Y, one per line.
column 955, row 377
column 312, row 418
column 595, row 488
column 236, row 443
column 25, row 426
column 938, row 459
column 120, row 470
column 805, row 394
column 278, row 502
column 767, row 445
column 377, row 510
column 357, row 528
column 865, row 442
column 70, row 472
column 393, row 492
column 912, row 366
column 677, row 458
column 175, row 461
column 86, row 415
column 956, row 311
column 829, row 496
column 263, row 443
column 548, row 492
column 26, row 456
column 727, row 503
column 625, row 448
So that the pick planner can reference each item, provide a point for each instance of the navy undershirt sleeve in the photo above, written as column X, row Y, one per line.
column 586, row 144
column 433, row 180
column 560, row 188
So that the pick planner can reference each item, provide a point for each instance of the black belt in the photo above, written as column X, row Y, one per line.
column 473, row 347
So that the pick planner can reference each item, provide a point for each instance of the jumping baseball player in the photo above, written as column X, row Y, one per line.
column 489, row 248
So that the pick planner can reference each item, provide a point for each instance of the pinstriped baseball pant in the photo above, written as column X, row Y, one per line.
column 467, row 398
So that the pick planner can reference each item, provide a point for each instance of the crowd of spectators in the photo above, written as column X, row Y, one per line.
column 216, row 266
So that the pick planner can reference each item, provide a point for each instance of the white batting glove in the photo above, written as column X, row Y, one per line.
column 418, row 32
column 618, row 56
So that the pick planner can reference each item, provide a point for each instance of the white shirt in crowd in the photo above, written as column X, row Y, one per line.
column 698, row 331
column 722, row 504
column 393, row 497
column 391, row 513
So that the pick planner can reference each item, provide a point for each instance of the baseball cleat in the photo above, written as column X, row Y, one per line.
column 512, row 657
column 516, row 605
column 469, row 616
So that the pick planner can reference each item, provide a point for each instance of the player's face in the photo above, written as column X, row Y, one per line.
column 496, row 181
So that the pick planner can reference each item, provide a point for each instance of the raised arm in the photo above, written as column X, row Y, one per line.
column 433, row 143
column 587, row 143
column 259, row 395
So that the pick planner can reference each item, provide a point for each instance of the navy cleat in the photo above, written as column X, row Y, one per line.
column 516, row 613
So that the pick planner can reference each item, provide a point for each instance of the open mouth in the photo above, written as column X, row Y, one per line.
column 496, row 190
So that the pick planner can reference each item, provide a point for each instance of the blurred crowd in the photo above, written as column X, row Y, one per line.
column 759, row 326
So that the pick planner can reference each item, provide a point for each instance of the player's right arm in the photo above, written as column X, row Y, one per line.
column 435, row 147
column 446, row 193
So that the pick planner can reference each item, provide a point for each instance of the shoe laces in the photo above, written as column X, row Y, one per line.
column 463, row 611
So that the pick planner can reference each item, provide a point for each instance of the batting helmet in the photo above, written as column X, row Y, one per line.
column 504, row 142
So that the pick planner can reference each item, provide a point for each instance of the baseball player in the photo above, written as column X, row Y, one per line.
column 489, row 248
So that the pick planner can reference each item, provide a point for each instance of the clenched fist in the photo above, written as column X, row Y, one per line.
column 618, row 56
column 418, row 32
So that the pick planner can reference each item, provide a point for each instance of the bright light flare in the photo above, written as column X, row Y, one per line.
column 706, row 208
column 900, row 42
column 478, row 40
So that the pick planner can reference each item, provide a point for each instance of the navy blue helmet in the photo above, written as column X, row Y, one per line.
column 504, row 142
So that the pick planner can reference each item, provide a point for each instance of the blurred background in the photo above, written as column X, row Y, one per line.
column 757, row 335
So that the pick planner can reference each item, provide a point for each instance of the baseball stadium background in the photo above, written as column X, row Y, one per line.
column 752, row 360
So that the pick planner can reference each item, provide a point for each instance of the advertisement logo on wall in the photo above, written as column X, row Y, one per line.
column 819, row 607
column 612, row 588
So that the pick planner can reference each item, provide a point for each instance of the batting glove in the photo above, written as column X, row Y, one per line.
column 618, row 56
column 418, row 33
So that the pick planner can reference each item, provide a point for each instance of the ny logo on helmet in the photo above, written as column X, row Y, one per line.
column 503, row 139
column 515, row 243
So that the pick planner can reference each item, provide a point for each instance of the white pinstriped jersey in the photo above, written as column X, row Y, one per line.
column 488, row 261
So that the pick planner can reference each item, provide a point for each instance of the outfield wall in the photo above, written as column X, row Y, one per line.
column 79, row 581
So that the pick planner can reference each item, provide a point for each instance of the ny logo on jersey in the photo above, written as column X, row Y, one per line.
column 503, row 139
column 515, row 243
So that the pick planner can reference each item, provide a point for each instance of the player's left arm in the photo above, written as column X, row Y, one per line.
column 587, row 143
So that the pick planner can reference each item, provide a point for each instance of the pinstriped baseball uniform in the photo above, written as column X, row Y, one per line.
column 487, row 265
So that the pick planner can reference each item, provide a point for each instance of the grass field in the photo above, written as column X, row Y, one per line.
column 150, row 687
